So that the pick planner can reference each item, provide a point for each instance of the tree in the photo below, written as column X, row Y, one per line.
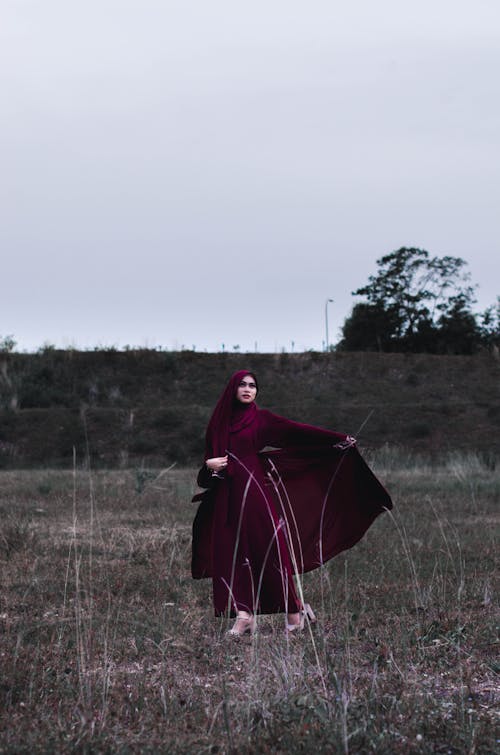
column 369, row 328
column 490, row 325
column 414, row 303
column 458, row 331
column 7, row 344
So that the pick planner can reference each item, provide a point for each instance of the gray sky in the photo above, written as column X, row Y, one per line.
column 210, row 171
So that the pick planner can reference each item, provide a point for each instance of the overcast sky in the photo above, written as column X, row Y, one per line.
column 201, row 172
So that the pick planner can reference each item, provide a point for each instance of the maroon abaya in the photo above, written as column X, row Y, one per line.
column 279, row 512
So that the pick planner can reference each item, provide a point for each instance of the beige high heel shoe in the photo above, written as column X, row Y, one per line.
column 306, row 611
column 244, row 623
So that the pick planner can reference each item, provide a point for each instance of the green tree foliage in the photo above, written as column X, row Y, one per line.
column 416, row 303
column 370, row 327
column 490, row 325
column 458, row 330
column 7, row 344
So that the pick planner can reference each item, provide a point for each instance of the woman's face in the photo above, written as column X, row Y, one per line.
column 247, row 390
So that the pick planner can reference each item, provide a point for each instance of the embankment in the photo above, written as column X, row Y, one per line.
column 149, row 407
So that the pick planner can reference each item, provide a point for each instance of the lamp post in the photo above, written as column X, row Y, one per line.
column 327, row 302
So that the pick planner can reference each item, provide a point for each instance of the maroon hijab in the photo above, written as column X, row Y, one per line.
column 228, row 416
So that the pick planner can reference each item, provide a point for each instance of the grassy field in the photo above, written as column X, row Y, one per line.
column 107, row 645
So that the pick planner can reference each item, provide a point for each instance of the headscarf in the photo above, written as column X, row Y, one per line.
column 229, row 415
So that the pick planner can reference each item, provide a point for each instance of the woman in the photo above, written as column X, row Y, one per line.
column 269, row 514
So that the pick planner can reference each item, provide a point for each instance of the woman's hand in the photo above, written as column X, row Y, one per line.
column 347, row 443
column 216, row 465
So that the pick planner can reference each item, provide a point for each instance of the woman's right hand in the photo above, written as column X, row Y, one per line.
column 217, row 464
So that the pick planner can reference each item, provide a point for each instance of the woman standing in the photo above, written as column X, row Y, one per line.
column 269, row 514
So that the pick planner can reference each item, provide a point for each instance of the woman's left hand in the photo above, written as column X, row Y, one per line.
column 348, row 442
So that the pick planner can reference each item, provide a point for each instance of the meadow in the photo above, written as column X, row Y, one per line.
column 108, row 645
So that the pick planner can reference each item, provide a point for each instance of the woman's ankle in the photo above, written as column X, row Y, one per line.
column 243, row 615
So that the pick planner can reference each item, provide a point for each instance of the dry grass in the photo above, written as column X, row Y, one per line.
column 107, row 645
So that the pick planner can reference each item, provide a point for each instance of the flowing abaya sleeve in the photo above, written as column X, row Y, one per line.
column 205, row 478
column 326, row 493
column 201, row 558
column 281, row 432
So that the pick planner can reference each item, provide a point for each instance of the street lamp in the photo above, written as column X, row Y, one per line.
column 327, row 345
